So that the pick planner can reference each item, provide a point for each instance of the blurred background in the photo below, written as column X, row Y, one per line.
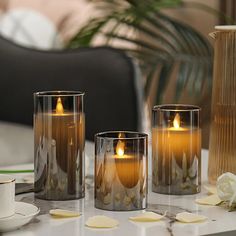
column 168, row 40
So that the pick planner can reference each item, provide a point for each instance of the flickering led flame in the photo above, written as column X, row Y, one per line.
column 59, row 107
column 176, row 122
column 120, row 148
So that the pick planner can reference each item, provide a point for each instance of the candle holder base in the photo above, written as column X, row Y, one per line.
column 120, row 198
column 177, row 190
column 57, row 187
column 177, row 179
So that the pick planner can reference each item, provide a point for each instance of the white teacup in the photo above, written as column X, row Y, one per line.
column 7, row 196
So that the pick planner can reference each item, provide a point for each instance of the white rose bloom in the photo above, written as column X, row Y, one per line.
column 226, row 187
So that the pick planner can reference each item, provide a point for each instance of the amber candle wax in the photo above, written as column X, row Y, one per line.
column 59, row 148
column 176, row 150
column 121, row 171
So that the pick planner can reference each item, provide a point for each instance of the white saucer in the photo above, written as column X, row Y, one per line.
column 24, row 212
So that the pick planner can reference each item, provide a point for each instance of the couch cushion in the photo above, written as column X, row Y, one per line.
column 106, row 75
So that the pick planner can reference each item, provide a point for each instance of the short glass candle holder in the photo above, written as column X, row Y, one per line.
column 59, row 142
column 121, row 171
column 176, row 149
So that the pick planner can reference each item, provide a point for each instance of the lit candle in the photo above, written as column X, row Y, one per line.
column 65, row 126
column 121, row 171
column 59, row 149
column 176, row 157
column 127, row 166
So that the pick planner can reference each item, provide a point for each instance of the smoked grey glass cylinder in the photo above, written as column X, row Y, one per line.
column 121, row 171
column 176, row 149
column 59, row 140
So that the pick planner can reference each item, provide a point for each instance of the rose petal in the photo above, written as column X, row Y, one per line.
column 147, row 217
column 63, row 213
column 186, row 217
column 212, row 200
column 101, row 221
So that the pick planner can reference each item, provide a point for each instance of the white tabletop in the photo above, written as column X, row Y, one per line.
column 219, row 219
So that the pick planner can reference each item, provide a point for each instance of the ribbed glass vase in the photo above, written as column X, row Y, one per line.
column 222, row 150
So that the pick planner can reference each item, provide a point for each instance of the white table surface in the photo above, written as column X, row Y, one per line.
column 220, row 221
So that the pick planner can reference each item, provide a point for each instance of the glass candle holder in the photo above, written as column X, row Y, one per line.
column 59, row 140
column 121, row 171
column 176, row 149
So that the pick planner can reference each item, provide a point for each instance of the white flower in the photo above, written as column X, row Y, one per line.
column 226, row 187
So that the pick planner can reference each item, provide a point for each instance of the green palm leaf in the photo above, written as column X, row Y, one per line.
column 164, row 47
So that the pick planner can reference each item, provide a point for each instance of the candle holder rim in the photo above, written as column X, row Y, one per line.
column 61, row 93
column 10, row 179
column 176, row 107
column 225, row 27
column 140, row 135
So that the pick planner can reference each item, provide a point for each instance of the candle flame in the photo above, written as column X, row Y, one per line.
column 176, row 122
column 120, row 148
column 59, row 107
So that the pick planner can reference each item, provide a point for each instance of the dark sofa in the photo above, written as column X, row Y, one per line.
column 113, row 99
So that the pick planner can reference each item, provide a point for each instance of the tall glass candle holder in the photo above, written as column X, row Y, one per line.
column 176, row 149
column 59, row 130
column 121, row 171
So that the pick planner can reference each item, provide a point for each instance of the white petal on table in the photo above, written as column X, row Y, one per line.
column 186, row 217
column 147, row 217
column 101, row 221
column 211, row 200
column 63, row 213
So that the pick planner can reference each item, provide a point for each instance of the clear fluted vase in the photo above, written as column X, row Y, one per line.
column 222, row 149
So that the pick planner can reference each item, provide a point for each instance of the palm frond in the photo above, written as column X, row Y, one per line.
column 165, row 47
